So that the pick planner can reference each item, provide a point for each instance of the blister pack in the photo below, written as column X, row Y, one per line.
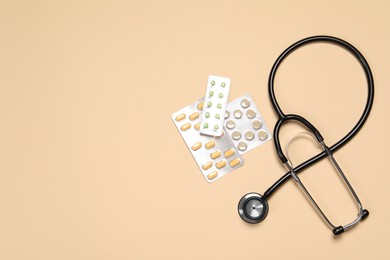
column 215, row 156
column 216, row 97
column 245, row 125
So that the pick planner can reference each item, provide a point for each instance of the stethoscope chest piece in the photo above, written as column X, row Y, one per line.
column 252, row 208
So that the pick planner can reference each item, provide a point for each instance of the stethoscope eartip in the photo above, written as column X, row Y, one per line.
column 252, row 208
column 365, row 214
column 339, row 230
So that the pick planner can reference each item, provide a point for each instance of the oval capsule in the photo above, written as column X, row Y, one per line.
column 215, row 154
column 210, row 144
column 212, row 175
column 180, row 117
column 235, row 162
column 200, row 106
column 220, row 164
column 185, row 127
column 194, row 116
column 229, row 152
column 197, row 126
column 207, row 165
column 196, row 146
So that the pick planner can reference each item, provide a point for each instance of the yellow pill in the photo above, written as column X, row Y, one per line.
column 212, row 175
column 197, row 126
column 194, row 116
column 235, row 162
column 220, row 164
column 215, row 154
column 196, row 146
column 200, row 106
column 210, row 145
column 207, row 165
column 185, row 127
column 180, row 117
column 229, row 152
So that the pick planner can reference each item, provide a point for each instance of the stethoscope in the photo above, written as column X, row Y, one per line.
column 253, row 207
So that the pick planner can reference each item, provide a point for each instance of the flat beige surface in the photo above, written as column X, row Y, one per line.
column 92, row 167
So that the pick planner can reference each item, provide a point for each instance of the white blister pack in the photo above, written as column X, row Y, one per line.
column 245, row 125
column 215, row 156
column 216, row 97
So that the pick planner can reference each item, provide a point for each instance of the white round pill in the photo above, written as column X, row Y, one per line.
column 237, row 113
column 242, row 146
column 227, row 114
column 250, row 114
column 262, row 135
column 236, row 135
column 257, row 124
column 230, row 124
column 249, row 135
column 245, row 103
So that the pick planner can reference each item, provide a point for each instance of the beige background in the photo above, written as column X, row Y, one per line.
column 91, row 166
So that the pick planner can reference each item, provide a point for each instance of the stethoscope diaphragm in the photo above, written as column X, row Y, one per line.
column 252, row 208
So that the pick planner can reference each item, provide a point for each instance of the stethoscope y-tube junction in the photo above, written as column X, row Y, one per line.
column 256, row 201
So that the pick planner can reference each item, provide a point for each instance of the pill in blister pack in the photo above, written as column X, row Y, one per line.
column 216, row 97
column 215, row 156
column 245, row 125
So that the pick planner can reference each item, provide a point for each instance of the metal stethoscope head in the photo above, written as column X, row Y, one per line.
column 252, row 208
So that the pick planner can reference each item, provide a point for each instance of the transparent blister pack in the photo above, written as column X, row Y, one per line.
column 216, row 97
column 245, row 125
column 215, row 156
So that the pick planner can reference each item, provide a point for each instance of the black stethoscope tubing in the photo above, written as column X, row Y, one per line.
column 283, row 117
